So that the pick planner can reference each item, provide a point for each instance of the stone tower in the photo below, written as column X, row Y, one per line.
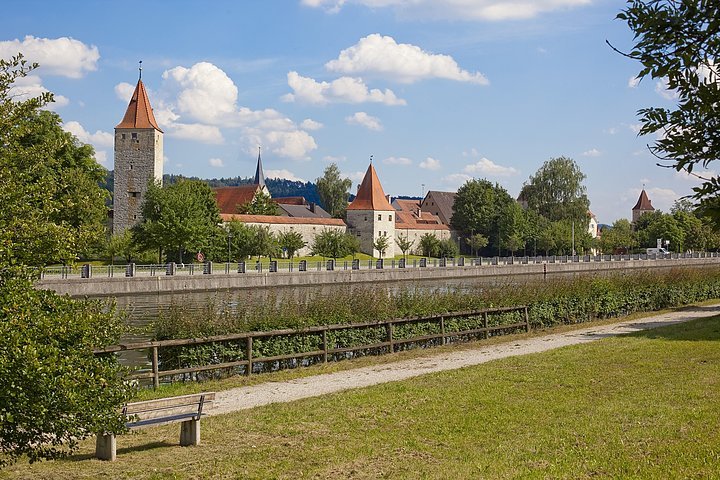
column 370, row 215
column 642, row 206
column 138, row 159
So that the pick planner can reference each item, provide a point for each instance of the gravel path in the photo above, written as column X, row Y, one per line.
column 274, row 392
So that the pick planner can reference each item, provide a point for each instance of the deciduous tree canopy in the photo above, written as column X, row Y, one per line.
column 333, row 191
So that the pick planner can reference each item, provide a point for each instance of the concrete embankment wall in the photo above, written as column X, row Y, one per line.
column 95, row 287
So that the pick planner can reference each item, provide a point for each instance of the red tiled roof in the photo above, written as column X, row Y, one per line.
column 643, row 202
column 229, row 198
column 282, row 220
column 370, row 195
column 406, row 220
column 412, row 206
column 139, row 113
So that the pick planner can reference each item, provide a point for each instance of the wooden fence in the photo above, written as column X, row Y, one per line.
column 390, row 344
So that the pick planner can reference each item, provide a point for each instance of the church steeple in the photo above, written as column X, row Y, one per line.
column 259, row 176
column 139, row 113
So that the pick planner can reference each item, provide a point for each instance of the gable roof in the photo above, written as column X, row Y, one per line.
column 370, row 195
column 229, row 198
column 444, row 202
column 643, row 202
column 139, row 113
column 405, row 205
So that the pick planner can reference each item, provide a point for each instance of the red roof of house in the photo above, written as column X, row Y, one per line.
column 412, row 206
column 643, row 202
column 229, row 198
column 139, row 113
column 427, row 221
column 282, row 220
column 291, row 200
column 370, row 195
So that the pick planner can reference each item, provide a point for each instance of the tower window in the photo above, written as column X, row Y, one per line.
column 379, row 216
column 134, row 136
column 130, row 167
column 133, row 194
column 390, row 217
column 122, row 135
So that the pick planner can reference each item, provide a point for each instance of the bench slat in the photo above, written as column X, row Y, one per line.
column 162, row 420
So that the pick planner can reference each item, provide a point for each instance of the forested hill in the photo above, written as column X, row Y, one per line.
column 278, row 187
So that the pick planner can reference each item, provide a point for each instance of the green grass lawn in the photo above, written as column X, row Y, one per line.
column 639, row 406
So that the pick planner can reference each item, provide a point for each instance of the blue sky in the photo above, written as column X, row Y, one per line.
column 437, row 91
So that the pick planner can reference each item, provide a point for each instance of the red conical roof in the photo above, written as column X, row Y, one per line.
column 139, row 113
column 370, row 195
column 643, row 202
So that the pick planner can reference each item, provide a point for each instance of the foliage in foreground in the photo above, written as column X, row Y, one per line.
column 54, row 390
column 576, row 412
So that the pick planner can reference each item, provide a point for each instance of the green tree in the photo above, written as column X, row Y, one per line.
column 55, row 392
column 264, row 243
column 180, row 219
column 678, row 42
column 291, row 242
column 479, row 208
column 241, row 238
column 658, row 225
column 52, row 206
column 511, row 227
column 619, row 236
column 404, row 244
column 447, row 248
column 333, row 243
column 557, row 193
column 121, row 245
column 477, row 242
column 261, row 204
column 381, row 244
column 333, row 191
column 429, row 245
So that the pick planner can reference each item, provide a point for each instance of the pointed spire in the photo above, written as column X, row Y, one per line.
column 643, row 202
column 139, row 113
column 370, row 195
column 259, row 176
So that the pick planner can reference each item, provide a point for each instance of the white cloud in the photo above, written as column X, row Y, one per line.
column 341, row 90
column 464, row 10
column 487, row 167
column 593, row 152
column 382, row 56
column 471, row 153
column 97, row 139
column 455, row 180
column 663, row 89
column 124, row 91
column 101, row 158
column 195, row 131
column 645, row 181
column 633, row 82
column 397, row 161
column 430, row 164
column 63, row 56
column 356, row 177
column 694, row 177
column 216, row 162
column 635, row 127
column 30, row 87
column 334, row 159
column 202, row 99
column 310, row 124
column 286, row 174
column 611, row 131
column 364, row 120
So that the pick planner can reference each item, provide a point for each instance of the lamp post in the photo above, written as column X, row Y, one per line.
column 229, row 237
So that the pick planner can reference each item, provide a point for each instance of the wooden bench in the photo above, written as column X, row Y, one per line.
column 186, row 409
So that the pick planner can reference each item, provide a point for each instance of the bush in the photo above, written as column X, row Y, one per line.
column 54, row 390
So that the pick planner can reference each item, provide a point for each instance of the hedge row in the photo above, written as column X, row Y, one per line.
column 552, row 302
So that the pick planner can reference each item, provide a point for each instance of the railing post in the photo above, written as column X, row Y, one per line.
column 527, row 320
column 325, row 345
column 390, row 336
column 155, row 368
column 442, row 328
column 248, row 354
column 485, row 324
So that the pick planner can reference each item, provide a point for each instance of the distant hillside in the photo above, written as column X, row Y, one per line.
column 278, row 187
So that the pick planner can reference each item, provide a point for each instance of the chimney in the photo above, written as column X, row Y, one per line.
column 312, row 207
column 387, row 197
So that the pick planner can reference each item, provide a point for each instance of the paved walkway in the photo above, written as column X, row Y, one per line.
column 274, row 392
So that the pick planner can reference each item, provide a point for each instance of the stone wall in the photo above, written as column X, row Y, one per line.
column 308, row 231
column 138, row 159
column 368, row 225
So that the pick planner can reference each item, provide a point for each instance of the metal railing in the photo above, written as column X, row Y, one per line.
column 250, row 267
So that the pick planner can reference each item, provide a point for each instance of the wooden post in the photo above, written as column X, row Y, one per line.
column 485, row 324
column 248, row 354
column 325, row 346
column 155, row 368
column 527, row 320
column 390, row 336
column 442, row 328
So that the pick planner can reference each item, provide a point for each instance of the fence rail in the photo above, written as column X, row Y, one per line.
column 276, row 266
column 389, row 344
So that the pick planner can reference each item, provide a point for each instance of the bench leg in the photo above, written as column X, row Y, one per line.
column 105, row 447
column 190, row 433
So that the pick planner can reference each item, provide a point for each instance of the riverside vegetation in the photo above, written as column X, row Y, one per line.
column 552, row 302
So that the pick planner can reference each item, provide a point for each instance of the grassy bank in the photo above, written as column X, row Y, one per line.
column 638, row 406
